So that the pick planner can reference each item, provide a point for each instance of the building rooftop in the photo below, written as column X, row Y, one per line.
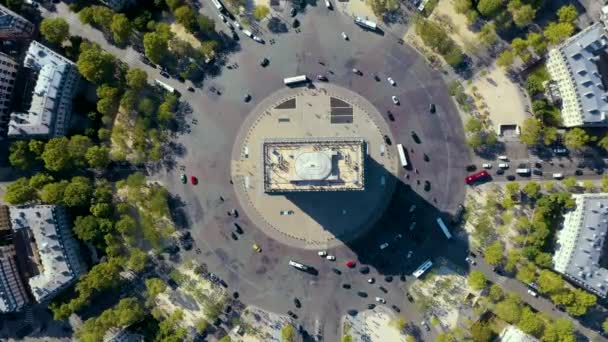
column 13, row 24
column 512, row 334
column 57, row 250
column 51, row 104
column 13, row 296
column 581, row 243
column 316, row 164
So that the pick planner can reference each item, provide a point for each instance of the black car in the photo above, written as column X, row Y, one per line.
column 352, row 312
column 362, row 294
column 376, row 78
column 364, row 269
column 247, row 98
column 235, row 295
column 383, row 289
column 473, row 254
column 396, row 308
column 409, row 297
column 511, row 177
column 426, row 157
column 296, row 23
column 427, row 185
column 471, row 167
column 297, row 303
column 238, row 228
column 538, row 165
column 537, row 172
column 390, row 115
column 336, row 271
column 293, row 315
column 293, row 12
column 432, row 108
column 415, row 137
column 190, row 89
column 371, row 306
column 500, row 171
column 346, row 286
column 387, row 140
column 388, row 279
column 264, row 63
column 578, row 172
column 233, row 236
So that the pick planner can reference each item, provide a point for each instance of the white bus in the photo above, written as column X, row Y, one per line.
column 423, row 268
column 402, row 157
column 298, row 265
column 366, row 23
column 523, row 171
column 217, row 5
column 444, row 228
column 295, row 80
column 165, row 86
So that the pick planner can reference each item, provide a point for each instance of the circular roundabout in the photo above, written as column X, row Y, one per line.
column 312, row 166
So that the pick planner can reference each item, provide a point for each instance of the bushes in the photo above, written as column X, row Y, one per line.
column 435, row 37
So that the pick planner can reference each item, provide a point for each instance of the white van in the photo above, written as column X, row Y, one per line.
column 248, row 33
column 503, row 165
column 558, row 175
column 503, row 158
column 523, row 171
column 486, row 166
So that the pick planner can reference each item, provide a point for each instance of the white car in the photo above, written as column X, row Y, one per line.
column 371, row 280
column 412, row 208
column 471, row 261
column 331, row 257
column 237, row 25
column 384, row 245
column 532, row 293
column 391, row 81
column 505, row 158
column 222, row 17
column 322, row 253
column 409, row 254
column 258, row 39
column 344, row 36
column 380, row 300
column 486, row 166
column 395, row 100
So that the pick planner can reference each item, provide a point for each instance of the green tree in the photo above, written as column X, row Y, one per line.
column 55, row 31
column 98, row 156
column 136, row 78
column 567, row 14
column 19, row 192
column 208, row 48
column 494, row 253
column 505, row 59
column 570, row 183
column 489, row 8
column 101, row 210
column 380, row 7
column 481, row 332
column 583, row 300
column 53, row 193
column 531, row 132
column 205, row 24
column 561, row 330
column 154, row 286
column 260, row 12
column 39, row 180
column 126, row 225
column 86, row 15
column 576, row 138
column 477, row 280
column 121, row 28
column 36, row 147
column 496, row 293
column 102, row 16
column 527, row 273
column 530, row 323
column 186, row 16
column 347, row 338
column 508, row 310
column 549, row 135
column 605, row 325
column 605, row 183
column 78, row 192
column 166, row 111
column 531, row 189
column 95, row 64
column 21, row 156
column 155, row 46
column 77, row 149
column 55, row 154
column 537, row 42
column 558, row 32
column 549, row 282
column 174, row 4
column 137, row 260
column 108, row 99
column 487, row 34
column 463, row 6
column 522, row 14
column 288, row 333
column 86, row 228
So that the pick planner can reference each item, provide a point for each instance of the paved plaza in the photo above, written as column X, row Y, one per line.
column 323, row 218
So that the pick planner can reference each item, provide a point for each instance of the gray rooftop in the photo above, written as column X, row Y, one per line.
column 51, row 105
column 9, row 20
column 581, row 241
column 587, row 58
column 57, row 250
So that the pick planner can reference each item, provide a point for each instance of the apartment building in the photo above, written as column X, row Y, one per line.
column 8, row 74
column 13, row 26
column 13, row 295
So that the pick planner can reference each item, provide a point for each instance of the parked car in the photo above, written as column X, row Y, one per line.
column 362, row 294
column 256, row 248
column 238, row 228
column 331, row 257
column 346, row 286
column 396, row 308
column 350, row 263
column 191, row 89
column 264, row 63
column 371, row 306
column 183, row 178
column 193, row 180
column 391, row 81
column 322, row 78
column 387, row 140
column 409, row 297
column 336, row 271
column 511, row 177
column 395, row 100
column 344, row 36
column 297, row 303
column 380, row 300
column 432, row 108
column 364, row 269
column 322, row 253
column 293, row 12
column 390, row 115
column 371, row 280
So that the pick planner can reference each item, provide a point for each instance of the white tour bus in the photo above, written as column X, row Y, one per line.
column 444, row 228
column 402, row 157
column 165, row 86
column 217, row 4
column 423, row 268
column 366, row 23
column 523, row 171
column 295, row 80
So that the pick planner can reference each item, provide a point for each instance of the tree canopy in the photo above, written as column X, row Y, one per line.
column 55, row 30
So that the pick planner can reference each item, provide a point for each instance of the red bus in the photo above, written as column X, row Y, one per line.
column 477, row 177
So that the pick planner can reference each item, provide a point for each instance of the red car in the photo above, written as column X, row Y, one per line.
column 477, row 177
column 351, row 263
column 193, row 180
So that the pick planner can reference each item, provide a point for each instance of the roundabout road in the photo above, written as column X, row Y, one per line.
column 265, row 279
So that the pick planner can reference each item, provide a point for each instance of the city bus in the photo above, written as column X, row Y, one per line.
column 444, row 228
column 295, row 80
column 370, row 25
column 423, row 268
column 218, row 5
column 402, row 156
